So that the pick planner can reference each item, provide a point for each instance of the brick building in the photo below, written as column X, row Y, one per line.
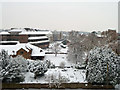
column 38, row 38
column 118, row 49
column 28, row 51
column 113, row 39
column 111, row 34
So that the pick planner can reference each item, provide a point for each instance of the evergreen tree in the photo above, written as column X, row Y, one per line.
column 10, row 71
column 4, row 59
column 12, row 74
column 103, row 66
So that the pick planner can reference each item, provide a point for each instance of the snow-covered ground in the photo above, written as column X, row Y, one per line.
column 71, row 73
column 56, row 60
column 74, row 75
column 61, row 49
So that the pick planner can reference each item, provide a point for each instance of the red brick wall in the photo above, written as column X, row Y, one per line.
column 25, row 54
column 42, row 46
column 0, row 38
column 23, row 38
column 20, row 38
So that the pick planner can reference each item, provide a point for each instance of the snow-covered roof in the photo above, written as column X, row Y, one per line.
column 4, row 33
column 15, row 30
column 40, row 37
column 39, row 42
column 36, row 50
column 99, row 35
column 111, row 28
column 23, row 31
column 12, row 49
column 9, row 42
column 33, row 32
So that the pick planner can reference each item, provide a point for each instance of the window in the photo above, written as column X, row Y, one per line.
column 40, row 50
column 38, row 40
column 21, row 52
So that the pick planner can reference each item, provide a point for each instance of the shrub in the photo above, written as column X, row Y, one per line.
column 62, row 64
column 38, row 68
column 49, row 64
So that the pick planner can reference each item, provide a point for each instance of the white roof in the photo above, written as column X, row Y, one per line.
column 39, row 42
column 36, row 50
column 40, row 37
column 112, row 28
column 99, row 35
column 26, row 47
column 16, row 30
column 9, row 41
column 33, row 32
column 11, row 48
column 4, row 33
column 23, row 31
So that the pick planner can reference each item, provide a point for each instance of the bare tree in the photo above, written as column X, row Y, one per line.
column 76, row 47
column 81, row 44
column 56, row 48
column 56, row 79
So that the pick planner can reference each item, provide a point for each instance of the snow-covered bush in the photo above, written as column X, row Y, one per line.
column 56, row 79
column 49, row 64
column 38, row 68
column 80, row 66
column 62, row 64
column 21, row 62
column 12, row 74
column 4, row 59
column 10, row 69
column 103, row 66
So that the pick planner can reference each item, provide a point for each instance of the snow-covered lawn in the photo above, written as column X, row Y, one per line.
column 74, row 75
column 56, row 60
column 61, row 49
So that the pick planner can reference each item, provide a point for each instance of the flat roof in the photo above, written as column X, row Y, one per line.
column 40, row 37
column 39, row 42
column 23, row 31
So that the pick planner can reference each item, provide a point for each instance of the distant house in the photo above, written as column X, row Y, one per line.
column 111, row 34
column 65, row 42
column 118, row 46
column 28, row 51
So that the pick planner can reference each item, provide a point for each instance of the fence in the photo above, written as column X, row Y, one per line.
column 53, row 53
column 55, row 86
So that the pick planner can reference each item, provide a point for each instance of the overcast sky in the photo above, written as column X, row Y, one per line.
column 84, row 16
